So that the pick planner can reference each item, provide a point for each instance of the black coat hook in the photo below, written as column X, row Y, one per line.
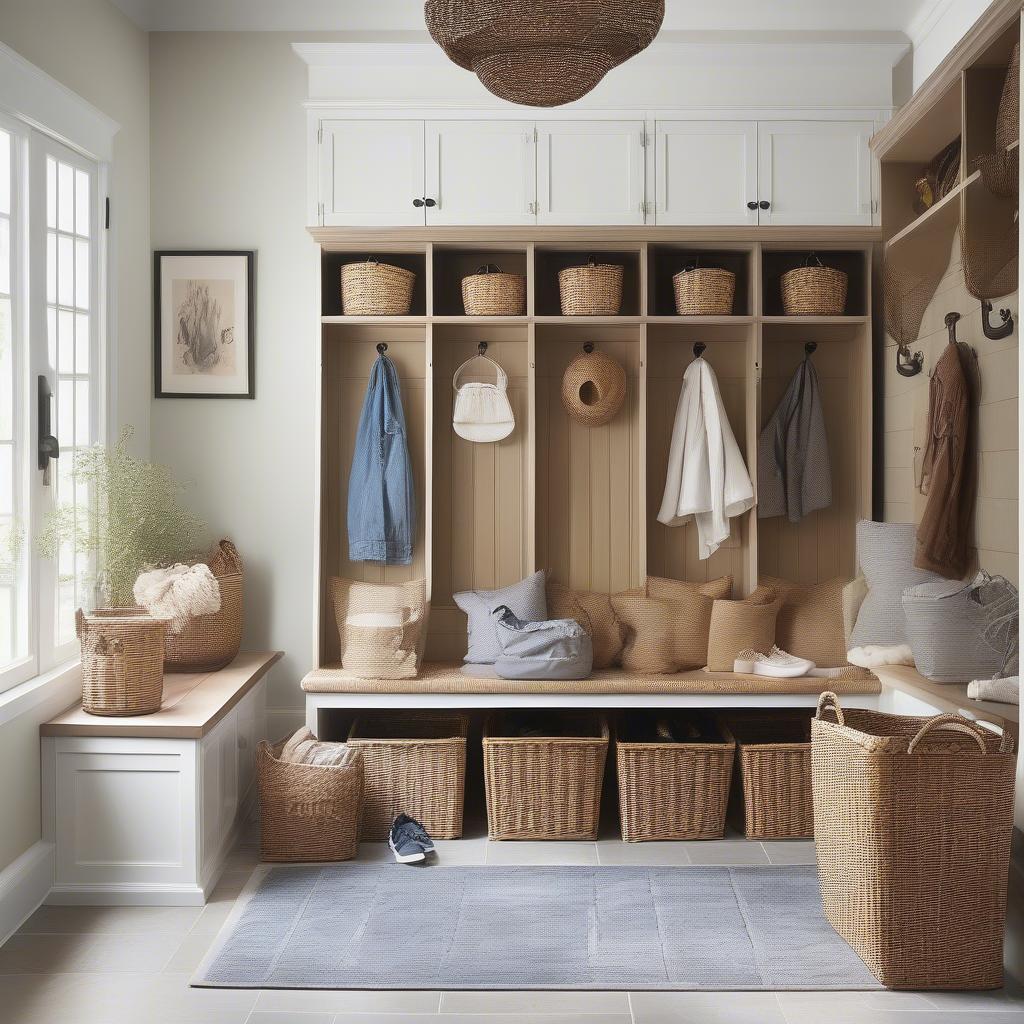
column 481, row 348
column 698, row 349
column 908, row 365
column 995, row 332
column 810, row 348
column 382, row 347
column 951, row 320
column 588, row 347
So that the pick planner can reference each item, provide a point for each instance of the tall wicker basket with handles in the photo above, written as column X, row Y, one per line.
column 913, row 819
column 209, row 642
column 122, row 662
column 814, row 289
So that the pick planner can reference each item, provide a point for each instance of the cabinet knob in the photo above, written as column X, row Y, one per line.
column 430, row 202
column 752, row 205
column 764, row 204
column 417, row 202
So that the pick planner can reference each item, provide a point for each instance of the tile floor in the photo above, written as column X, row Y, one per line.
column 131, row 965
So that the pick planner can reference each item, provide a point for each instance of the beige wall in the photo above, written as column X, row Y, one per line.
column 906, row 413
column 229, row 171
column 93, row 49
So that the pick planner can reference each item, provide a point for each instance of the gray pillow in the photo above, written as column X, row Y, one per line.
column 885, row 553
column 525, row 598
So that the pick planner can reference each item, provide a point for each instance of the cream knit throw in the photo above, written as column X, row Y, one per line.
column 1005, row 691
column 179, row 593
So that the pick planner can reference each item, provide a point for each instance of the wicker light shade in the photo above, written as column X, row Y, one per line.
column 542, row 53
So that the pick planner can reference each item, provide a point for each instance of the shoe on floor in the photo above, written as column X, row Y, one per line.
column 777, row 664
column 409, row 840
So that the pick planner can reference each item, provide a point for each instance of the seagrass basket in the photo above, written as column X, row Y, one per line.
column 814, row 289
column 913, row 819
column 704, row 291
column 413, row 763
column 209, row 642
column 489, row 292
column 594, row 289
column 308, row 812
column 544, row 787
column 672, row 790
column 122, row 662
column 370, row 288
column 774, row 756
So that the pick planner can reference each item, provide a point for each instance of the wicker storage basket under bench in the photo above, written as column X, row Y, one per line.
column 673, row 790
column 913, row 819
column 413, row 764
column 543, row 775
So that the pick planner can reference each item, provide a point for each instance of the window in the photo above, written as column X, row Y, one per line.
column 49, row 333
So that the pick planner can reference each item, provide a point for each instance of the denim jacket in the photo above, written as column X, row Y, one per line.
column 381, row 500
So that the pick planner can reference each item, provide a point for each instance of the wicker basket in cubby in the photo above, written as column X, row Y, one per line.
column 369, row 288
column 814, row 289
column 489, row 292
column 704, row 291
column 594, row 289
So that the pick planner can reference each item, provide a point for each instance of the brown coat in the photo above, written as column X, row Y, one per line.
column 949, row 465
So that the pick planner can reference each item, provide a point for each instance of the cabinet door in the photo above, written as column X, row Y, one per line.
column 815, row 172
column 706, row 172
column 371, row 172
column 481, row 172
column 590, row 172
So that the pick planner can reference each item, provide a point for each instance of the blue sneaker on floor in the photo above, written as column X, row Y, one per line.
column 409, row 840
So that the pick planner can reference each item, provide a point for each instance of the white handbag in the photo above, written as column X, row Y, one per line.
column 482, row 411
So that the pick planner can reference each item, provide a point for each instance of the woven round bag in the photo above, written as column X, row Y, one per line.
column 593, row 388
column 369, row 288
column 814, row 289
column 209, row 642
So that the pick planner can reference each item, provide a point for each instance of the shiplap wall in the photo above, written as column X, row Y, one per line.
column 906, row 414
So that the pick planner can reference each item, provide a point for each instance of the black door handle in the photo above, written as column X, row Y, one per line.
column 752, row 205
column 49, row 447
column 764, row 204
column 417, row 202
column 430, row 202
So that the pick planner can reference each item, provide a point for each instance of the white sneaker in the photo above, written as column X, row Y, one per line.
column 777, row 664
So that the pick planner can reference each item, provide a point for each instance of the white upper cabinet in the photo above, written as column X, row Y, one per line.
column 590, row 172
column 371, row 172
column 706, row 172
column 480, row 172
column 814, row 172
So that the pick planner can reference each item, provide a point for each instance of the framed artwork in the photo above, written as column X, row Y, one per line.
column 204, row 324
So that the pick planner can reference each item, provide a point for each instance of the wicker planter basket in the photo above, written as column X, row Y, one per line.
column 308, row 812
column 209, row 642
column 774, row 757
column 414, row 764
column 489, row 292
column 704, row 291
column 369, row 288
column 673, row 790
column 122, row 662
column 913, row 819
column 545, row 787
column 591, row 290
column 814, row 290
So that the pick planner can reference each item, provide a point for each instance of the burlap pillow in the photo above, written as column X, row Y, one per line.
column 594, row 612
column 649, row 646
column 810, row 622
column 691, row 614
column 741, row 625
column 853, row 597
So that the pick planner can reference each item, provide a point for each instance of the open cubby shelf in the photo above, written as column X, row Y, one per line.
column 582, row 502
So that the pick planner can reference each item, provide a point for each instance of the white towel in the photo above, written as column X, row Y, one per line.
column 707, row 480
column 1005, row 691
column 178, row 593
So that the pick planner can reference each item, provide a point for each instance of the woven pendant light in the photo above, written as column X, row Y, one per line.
column 542, row 53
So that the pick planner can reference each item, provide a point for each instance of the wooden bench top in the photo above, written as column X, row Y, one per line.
column 448, row 677
column 193, row 704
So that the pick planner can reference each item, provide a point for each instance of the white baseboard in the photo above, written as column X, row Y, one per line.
column 24, row 885
column 129, row 894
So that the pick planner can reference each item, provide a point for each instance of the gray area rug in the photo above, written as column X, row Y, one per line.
column 391, row 926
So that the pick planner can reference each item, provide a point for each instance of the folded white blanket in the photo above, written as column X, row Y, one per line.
column 178, row 593
column 1005, row 691
column 871, row 655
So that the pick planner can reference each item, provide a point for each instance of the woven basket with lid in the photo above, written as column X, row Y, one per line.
column 122, row 662
column 490, row 292
column 704, row 291
column 594, row 289
column 369, row 288
column 209, row 642
column 814, row 289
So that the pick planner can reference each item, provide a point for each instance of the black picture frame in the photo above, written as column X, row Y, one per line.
column 161, row 388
